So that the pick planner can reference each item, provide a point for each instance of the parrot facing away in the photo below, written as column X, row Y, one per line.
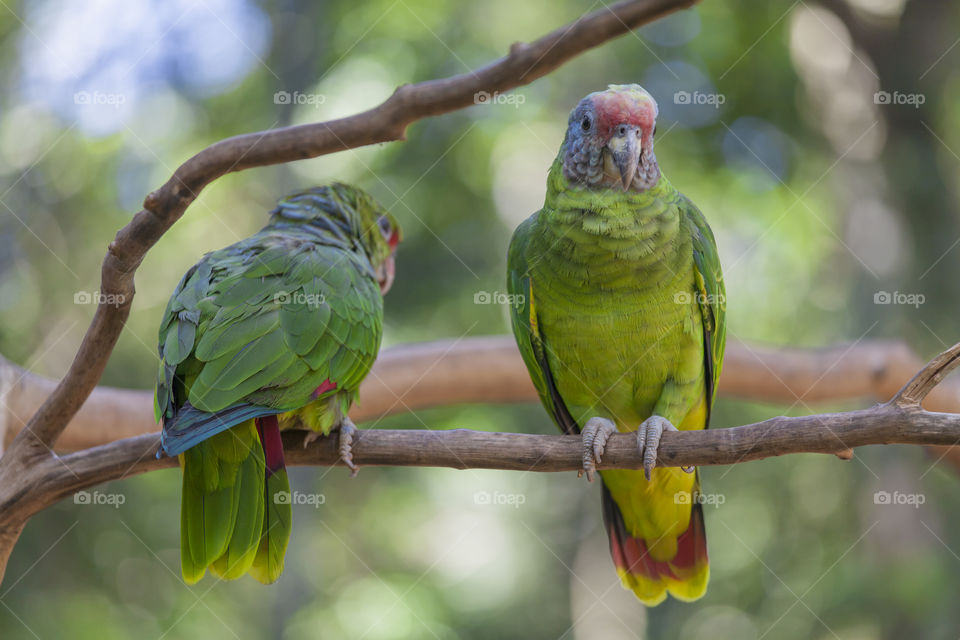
column 274, row 332
column 621, row 327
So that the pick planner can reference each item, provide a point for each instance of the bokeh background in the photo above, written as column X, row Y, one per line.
column 821, row 140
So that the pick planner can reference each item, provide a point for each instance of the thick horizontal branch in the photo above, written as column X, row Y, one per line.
column 118, row 424
column 489, row 370
column 899, row 421
column 465, row 449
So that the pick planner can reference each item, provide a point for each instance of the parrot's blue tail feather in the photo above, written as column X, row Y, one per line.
column 191, row 426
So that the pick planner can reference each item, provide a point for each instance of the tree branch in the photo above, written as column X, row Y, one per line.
column 501, row 376
column 899, row 421
column 489, row 370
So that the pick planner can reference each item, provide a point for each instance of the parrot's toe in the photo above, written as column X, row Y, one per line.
column 310, row 437
column 347, row 432
column 648, row 441
column 595, row 435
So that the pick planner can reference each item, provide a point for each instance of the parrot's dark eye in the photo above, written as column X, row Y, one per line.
column 585, row 124
column 385, row 227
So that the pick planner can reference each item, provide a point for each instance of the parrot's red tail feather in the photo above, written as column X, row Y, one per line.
column 269, row 430
column 277, row 505
column 684, row 576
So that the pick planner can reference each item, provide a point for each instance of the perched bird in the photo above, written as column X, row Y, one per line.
column 622, row 328
column 273, row 332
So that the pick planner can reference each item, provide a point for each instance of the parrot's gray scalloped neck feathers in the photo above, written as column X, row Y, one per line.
column 609, row 141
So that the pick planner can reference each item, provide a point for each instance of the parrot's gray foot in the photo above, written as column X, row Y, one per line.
column 310, row 437
column 595, row 435
column 347, row 432
column 648, row 441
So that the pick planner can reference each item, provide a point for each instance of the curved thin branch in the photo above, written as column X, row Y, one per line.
column 30, row 453
column 384, row 123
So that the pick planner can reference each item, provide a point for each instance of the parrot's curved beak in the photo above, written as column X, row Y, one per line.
column 386, row 273
column 625, row 147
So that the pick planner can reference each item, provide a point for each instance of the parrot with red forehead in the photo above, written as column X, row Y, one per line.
column 621, row 327
column 273, row 332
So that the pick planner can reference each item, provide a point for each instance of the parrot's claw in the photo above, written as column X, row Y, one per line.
column 595, row 435
column 648, row 441
column 310, row 437
column 347, row 432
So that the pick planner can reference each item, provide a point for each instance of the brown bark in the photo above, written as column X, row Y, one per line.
column 898, row 421
column 489, row 370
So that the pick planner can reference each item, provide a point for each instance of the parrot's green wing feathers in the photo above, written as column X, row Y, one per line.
column 275, row 331
column 711, row 297
column 530, row 340
column 259, row 337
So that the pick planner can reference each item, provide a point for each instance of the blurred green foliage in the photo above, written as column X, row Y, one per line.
column 809, row 184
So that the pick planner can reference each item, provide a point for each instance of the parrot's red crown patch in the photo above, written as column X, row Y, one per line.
column 616, row 107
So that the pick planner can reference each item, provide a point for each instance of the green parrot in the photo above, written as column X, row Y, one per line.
column 271, row 333
column 621, row 325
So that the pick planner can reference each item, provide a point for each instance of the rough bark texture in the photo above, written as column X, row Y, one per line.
column 489, row 370
column 901, row 420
